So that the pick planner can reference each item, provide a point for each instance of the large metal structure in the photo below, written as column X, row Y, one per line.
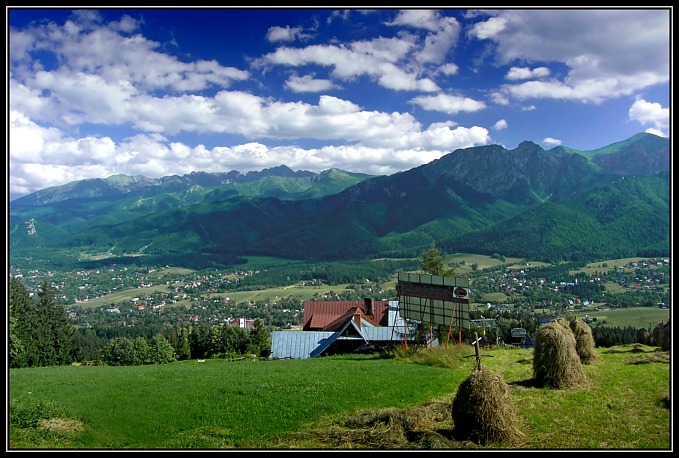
column 434, row 299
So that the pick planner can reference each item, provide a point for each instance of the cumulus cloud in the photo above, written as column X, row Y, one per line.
column 424, row 19
column 602, row 63
column 380, row 144
column 449, row 69
column 90, row 98
column 500, row 124
column 450, row 104
column 308, row 83
column 651, row 113
column 287, row 33
column 524, row 73
column 373, row 58
column 551, row 142
column 442, row 33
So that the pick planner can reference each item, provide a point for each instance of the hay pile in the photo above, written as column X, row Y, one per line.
column 584, row 341
column 483, row 412
column 417, row 427
column 556, row 363
column 661, row 336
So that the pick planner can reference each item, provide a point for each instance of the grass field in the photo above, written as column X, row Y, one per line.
column 636, row 317
column 123, row 296
column 607, row 266
column 341, row 402
column 293, row 291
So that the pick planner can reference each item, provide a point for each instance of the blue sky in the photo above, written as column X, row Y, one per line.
column 157, row 92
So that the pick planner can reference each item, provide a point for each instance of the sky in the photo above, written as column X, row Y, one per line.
column 157, row 92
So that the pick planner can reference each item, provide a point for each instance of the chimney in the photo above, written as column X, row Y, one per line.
column 368, row 305
column 357, row 319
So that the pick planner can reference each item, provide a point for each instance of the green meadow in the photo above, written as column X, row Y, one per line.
column 636, row 317
column 317, row 403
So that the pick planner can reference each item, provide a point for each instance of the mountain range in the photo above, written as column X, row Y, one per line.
column 550, row 205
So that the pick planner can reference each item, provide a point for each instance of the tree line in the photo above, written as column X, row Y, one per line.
column 199, row 341
column 41, row 334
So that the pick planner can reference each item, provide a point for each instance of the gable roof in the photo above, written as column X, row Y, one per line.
column 330, row 315
column 349, row 331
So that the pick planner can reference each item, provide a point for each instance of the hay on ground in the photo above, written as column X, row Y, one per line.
column 556, row 363
column 483, row 411
column 584, row 341
column 410, row 428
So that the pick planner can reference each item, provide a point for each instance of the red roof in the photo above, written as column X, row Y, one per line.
column 330, row 315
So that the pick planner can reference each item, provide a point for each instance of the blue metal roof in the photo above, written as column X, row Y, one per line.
column 308, row 344
column 296, row 344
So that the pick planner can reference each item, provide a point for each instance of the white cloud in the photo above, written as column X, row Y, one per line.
column 488, row 29
column 595, row 91
column 602, row 57
column 375, row 58
column 551, row 142
column 500, row 124
column 423, row 19
column 287, row 33
column 450, row 104
column 442, row 36
column 437, row 45
column 524, row 73
column 384, row 144
column 308, row 83
column 109, row 74
column 102, row 51
column 449, row 69
column 103, row 76
column 651, row 113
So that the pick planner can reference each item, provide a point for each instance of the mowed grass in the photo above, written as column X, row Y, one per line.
column 288, row 404
column 218, row 403
column 636, row 317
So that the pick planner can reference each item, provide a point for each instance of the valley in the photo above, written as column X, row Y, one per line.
column 275, row 289
column 540, row 233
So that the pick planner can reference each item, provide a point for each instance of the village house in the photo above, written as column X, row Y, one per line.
column 338, row 327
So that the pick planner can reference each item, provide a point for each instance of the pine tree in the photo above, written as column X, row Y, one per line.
column 259, row 337
column 19, row 308
column 432, row 262
column 182, row 347
column 58, row 343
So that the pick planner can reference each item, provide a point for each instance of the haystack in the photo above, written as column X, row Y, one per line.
column 556, row 363
column 661, row 336
column 483, row 412
column 584, row 341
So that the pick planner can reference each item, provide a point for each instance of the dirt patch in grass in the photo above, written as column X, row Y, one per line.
column 62, row 425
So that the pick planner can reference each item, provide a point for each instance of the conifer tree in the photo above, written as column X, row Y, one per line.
column 433, row 263
column 57, row 335
column 19, row 307
column 259, row 337
column 182, row 347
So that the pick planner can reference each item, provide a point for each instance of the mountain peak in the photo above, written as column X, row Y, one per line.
column 528, row 145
